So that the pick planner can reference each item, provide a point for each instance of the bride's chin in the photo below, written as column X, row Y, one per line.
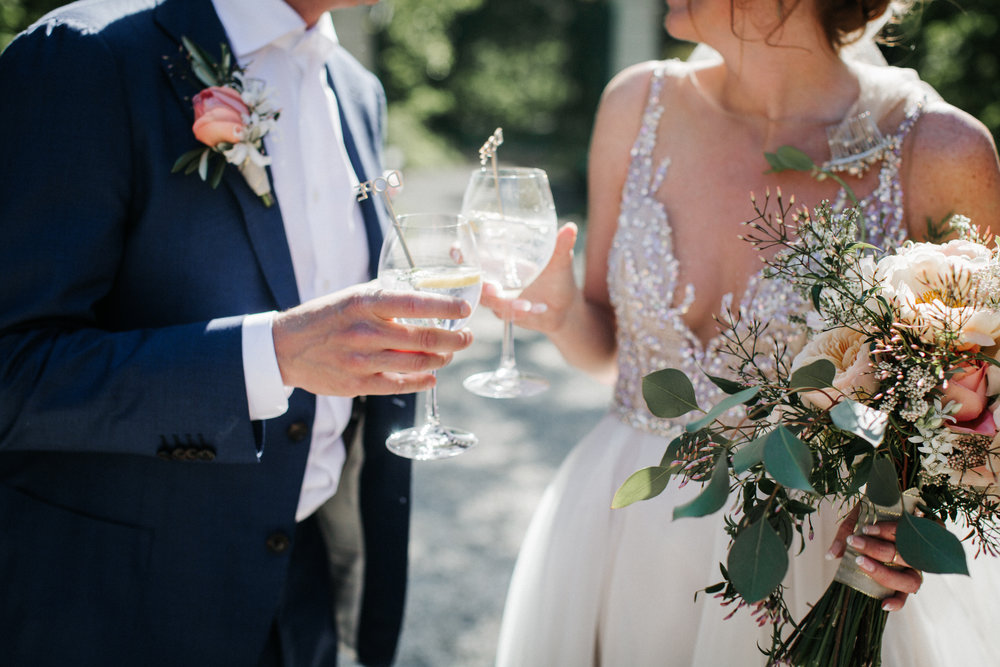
column 678, row 25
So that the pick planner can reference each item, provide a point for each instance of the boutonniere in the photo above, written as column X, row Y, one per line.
column 231, row 117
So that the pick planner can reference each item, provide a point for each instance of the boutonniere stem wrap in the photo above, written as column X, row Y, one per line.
column 231, row 117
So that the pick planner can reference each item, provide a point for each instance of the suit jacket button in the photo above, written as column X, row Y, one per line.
column 278, row 543
column 298, row 431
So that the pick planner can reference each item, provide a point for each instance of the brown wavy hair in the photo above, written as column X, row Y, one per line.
column 842, row 21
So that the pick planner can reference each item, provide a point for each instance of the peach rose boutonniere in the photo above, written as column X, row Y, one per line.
column 231, row 117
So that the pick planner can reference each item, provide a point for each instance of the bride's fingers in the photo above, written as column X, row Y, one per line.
column 901, row 580
column 846, row 528
column 894, row 602
column 885, row 530
column 876, row 549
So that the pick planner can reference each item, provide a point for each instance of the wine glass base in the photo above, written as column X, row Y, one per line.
column 430, row 442
column 504, row 383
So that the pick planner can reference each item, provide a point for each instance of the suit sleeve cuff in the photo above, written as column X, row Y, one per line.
column 267, row 396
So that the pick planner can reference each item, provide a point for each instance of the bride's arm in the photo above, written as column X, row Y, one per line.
column 580, row 322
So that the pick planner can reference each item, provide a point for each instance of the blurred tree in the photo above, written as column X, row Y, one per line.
column 16, row 15
column 457, row 69
column 955, row 45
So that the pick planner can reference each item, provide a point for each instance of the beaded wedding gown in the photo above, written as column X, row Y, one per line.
column 616, row 588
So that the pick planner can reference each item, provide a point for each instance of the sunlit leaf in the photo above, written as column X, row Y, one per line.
column 712, row 497
column 722, row 407
column 788, row 459
column 757, row 561
column 791, row 157
column 860, row 420
column 817, row 375
column 669, row 393
column 203, row 166
column 643, row 485
column 928, row 546
column 883, row 483
column 749, row 455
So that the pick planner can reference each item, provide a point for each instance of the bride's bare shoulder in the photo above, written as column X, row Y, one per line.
column 630, row 88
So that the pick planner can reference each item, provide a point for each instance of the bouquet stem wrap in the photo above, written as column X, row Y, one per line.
column 845, row 627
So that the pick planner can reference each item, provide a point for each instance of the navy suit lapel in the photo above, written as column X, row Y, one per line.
column 363, row 161
column 198, row 21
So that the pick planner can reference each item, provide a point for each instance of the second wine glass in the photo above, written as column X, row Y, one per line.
column 514, row 219
column 435, row 253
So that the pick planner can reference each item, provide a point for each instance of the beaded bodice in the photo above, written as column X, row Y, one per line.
column 643, row 278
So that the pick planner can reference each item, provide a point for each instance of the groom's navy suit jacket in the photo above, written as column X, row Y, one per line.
column 144, row 519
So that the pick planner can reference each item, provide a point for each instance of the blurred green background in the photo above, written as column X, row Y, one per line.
column 454, row 70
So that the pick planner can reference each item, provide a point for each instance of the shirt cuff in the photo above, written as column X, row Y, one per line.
column 267, row 395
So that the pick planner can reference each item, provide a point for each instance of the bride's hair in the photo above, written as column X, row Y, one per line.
column 842, row 21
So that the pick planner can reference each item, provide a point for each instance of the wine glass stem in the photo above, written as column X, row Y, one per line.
column 431, row 405
column 507, row 347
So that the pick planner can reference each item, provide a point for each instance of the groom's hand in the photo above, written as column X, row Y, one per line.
column 348, row 344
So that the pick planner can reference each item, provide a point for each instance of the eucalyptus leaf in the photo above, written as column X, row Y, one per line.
column 788, row 459
column 749, row 455
column 793, row 158
column 670, row 455
column 861, row 473
column 669, row 393
column 713, row 495
column 789, row 157
column 862, row 421
column 757, row 561
column 883, row 484
column 643, row 485
column 726, row 385
column 928, row 546
column 817, row 375
column 722, row 407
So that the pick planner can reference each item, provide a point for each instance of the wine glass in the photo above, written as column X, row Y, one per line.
column 431, row 252
column 514, row 220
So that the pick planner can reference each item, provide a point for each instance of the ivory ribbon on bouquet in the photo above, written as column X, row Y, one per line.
column 850, row 573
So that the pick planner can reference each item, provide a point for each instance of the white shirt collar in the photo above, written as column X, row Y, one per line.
column 251, row 26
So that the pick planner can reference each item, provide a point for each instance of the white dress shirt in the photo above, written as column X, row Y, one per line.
column 313, row 183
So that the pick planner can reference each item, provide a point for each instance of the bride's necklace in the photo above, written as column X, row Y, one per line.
column 856, row 144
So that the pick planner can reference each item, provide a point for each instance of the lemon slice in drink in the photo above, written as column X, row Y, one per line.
column 446, row 280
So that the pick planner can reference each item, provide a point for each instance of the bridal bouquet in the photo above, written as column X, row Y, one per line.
column 891, row 405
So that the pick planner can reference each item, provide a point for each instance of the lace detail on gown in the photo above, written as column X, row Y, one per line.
column 643, row 278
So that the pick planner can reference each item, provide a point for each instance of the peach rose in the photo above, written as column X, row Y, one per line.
column 967, row 387
column 218, row 116
column 848, row 351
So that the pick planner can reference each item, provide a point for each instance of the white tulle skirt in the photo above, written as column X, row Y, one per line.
column 602, row 587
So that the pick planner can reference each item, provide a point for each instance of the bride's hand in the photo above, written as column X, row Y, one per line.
column 543, row 305
column 878, row 557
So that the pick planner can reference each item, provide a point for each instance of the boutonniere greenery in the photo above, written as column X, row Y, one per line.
column 231, row 117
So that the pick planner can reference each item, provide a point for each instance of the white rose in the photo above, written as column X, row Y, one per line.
column 848, row 351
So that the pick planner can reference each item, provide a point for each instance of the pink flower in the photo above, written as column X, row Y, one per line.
column 968, row 389
column 218, row 116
